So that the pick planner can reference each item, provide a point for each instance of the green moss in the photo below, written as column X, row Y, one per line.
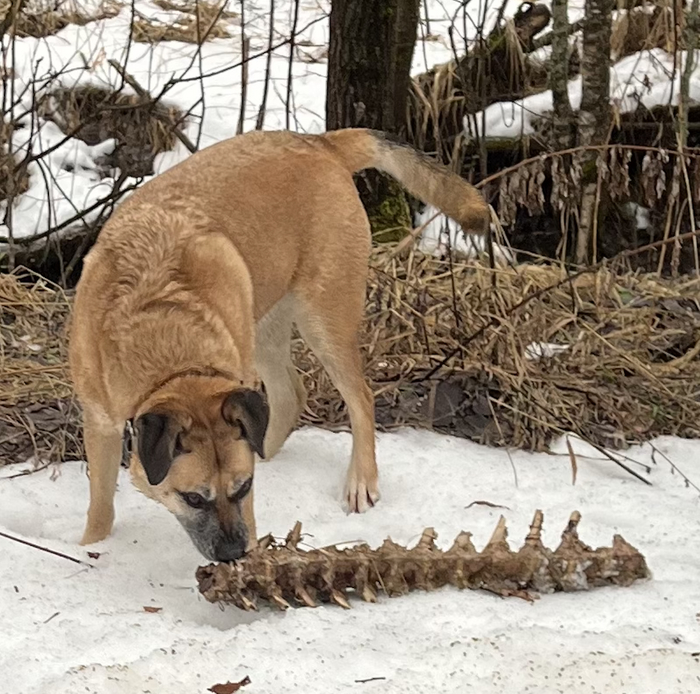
column 589, row 171
column 390, row 219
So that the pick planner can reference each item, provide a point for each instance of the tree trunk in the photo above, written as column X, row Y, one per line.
column 562, row 117
column 594, row 115
column 369, row 68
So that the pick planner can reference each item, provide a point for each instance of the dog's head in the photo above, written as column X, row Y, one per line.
column 195, row 455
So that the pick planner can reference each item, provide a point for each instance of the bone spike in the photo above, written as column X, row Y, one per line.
column 267, row 541
column 303, row 596
column 500, row 534
column 368, row 595
column 248, row 604
column 463, row 543
column 277, row 598
column 427, row 539
column 535, row 534
column 572, row 527
column 339, row 599
column 294, row 536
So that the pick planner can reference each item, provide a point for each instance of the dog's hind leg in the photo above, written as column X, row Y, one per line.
column 285, row 390
column 103, row 445
column 329, row 320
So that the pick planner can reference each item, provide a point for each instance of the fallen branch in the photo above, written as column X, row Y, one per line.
column 283, row 574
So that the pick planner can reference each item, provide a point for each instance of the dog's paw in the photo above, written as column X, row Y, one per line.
column 359, row 495
column 96, row 532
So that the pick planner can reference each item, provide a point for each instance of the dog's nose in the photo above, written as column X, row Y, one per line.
column 230, row 549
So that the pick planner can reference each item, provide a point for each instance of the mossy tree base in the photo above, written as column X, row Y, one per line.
column 387, row 206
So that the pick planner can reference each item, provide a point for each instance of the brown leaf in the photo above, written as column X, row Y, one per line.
column 534, row 200
column 506, row 204
column 229, row 687
column 619, row 185
column 151, row 609
column 572, row 458
column 94, row 555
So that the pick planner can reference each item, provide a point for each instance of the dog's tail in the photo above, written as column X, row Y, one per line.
column 422, row 176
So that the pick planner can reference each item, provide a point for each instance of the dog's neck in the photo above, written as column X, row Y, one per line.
column 201, row 371
column 192, row 372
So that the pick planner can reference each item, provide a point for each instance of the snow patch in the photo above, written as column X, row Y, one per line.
column 69, row 629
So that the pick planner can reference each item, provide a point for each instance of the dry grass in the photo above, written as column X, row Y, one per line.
column 639, row 29
column 13, row 181
column 196, row 21
column 40, row 19
column 631, row 370
column 141, row 129
column 37, row 413
column 440, row 98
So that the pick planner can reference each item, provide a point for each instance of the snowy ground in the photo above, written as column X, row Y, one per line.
column 69, row 630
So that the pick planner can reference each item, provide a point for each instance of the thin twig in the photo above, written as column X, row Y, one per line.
column 685, row 478
column 46, row 549
column 259, row 123
column 610, row 456
column 292, row 46
column 244, row 88
column 245, row 44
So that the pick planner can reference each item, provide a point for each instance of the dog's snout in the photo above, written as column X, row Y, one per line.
column 230, row 549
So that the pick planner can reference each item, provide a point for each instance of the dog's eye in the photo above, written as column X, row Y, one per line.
column 243, row 490
column 193, row 499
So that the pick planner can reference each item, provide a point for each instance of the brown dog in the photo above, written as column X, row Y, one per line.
column 185, row 308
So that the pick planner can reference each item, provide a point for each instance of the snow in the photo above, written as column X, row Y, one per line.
column 69, row 629
column 442, row 235
column 645, row 78
column 543, row 350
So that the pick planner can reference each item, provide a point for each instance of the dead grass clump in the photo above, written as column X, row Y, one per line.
column 45, row 18
column 436, row 106
column 196, row 21
column 13, row 179
column 142, row 130
column 627, row 368
column 38, row 415
column 643, row 28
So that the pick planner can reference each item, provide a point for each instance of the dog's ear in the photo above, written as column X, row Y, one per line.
column 158, row 439
column 249, row 410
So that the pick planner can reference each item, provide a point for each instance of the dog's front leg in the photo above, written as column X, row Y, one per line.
column 103, row 446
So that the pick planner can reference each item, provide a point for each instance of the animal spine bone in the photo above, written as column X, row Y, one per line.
column 284, row 574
